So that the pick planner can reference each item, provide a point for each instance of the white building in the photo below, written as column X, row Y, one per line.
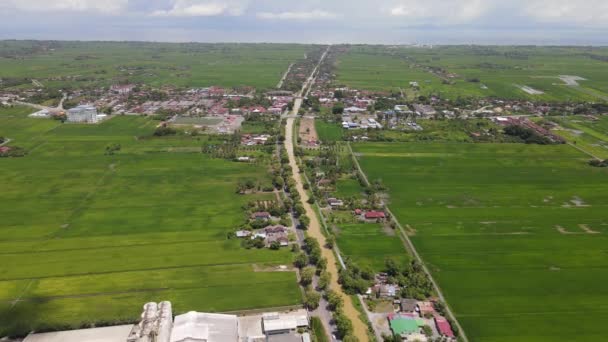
column 83, row 114
column 274, row 323
column 205, row 327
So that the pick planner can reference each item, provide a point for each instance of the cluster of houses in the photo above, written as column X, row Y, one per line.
column 272, row 235
column 254, row 139
column 409, row 322
column 410, row 316
column 217, row 101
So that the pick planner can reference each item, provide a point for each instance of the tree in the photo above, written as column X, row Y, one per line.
column 321, row 264
column 334, row 300
column 304, row 222
column 324, row 280
column 338, row 108
column 112, row 148
column 330, row 242
column 312, row 299
column 306, row 275
column 275, row 245
column 344, row 325
column 426, row 330
column 301, row 260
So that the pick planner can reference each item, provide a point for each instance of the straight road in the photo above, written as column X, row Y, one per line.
column 314, row 229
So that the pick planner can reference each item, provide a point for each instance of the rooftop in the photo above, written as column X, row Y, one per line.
column 107, row 334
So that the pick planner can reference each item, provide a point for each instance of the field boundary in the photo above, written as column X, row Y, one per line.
column 413, row 251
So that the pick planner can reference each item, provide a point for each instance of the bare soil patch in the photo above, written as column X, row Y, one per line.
column 308, row 133
column 588, row 229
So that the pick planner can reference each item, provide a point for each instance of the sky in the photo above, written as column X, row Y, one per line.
column 506, row 22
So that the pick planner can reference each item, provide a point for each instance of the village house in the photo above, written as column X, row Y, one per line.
column 443, row 327
column 335, row 203
column 424, row 111
column 375, row 215
column 278, row 234
column 261, row 215
column 243, row 233
column 426, row 308
column 408, row 305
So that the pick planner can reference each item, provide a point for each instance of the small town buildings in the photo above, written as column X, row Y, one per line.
column 122, row 89
column 83, row 114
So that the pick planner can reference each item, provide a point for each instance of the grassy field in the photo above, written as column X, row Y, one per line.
column 500, row 69
column 83, row 64
column 369, row 245
column 89, row 237
column 516, row 235
column 328, row 131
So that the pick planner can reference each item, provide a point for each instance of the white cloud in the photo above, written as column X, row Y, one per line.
column 107, row 6
column 441, row 11
column 202, row 8
column 586, row 12
column 306, row 15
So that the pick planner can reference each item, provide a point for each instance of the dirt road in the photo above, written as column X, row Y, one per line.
column 314, row 230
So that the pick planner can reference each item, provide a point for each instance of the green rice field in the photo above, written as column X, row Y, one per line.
column 478, row 71
column 514, row 234
column 83, row 64
column 88, row 237
column 588, row 134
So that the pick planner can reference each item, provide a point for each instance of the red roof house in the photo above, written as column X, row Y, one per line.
column 443, row 326
column 373, row 215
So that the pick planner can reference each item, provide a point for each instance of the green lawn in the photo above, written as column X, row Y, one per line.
column 88, row 237
column 487, row 219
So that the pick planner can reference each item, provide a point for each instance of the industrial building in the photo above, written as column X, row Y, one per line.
column 83, row 114
column 204, row 327
column 157, row 325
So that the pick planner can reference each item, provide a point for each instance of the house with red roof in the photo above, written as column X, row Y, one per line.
column 443, row 327
column 375, row 215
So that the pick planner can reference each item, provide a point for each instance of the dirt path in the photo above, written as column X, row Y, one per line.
column 314, row 230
